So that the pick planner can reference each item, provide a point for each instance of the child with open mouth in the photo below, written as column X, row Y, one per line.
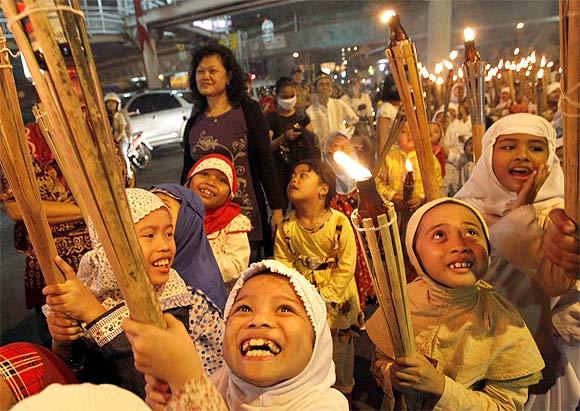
column 518, row 186
column 277, row 349
column 213, row 178
column 94, row 298
column 474, row 350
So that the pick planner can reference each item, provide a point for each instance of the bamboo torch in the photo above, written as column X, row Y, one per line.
column 403, row 61
column 474, row 73
column 394, row 130
column 377, row 230
column 57, row 51
column 570, row 83
column 19, row 171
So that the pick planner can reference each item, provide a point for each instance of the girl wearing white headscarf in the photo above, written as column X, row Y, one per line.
column 471, row 334
column 192, row 307
column 310, row 389
column 519, row 270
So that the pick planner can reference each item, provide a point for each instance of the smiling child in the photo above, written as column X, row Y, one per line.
column 95, row 300
column 518, row 186
column 474, row 350
column 213, row 178
column 277, row 348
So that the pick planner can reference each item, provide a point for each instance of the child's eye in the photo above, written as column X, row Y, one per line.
column 224, row 181
column 538, row 149
column 147, row 235
column 244, row 309
column 438, row 235
column 286, row 309
column 472, row 233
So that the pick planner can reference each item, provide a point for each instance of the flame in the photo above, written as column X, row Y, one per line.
column 448, row 65
column 550, row 64
column 438, row 68
column 387, row 15
column 543, row 61
column 440, row 80
column 469, row 34
column 453, row 55
column 409, row 166
column 432, row 77
column 540, row 73
column 516, row 51
column 351, row 166
column 500, row 65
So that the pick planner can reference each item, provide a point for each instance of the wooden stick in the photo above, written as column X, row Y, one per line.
column 477, row 132
column 394, row 130
column 81, row 139
column 570, row 83
column 403, row 62
column 382, row 287
column 19, row 171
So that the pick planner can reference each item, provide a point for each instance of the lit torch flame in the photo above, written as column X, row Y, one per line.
column 387, row 15
column 541, row 73
column 409, row 166
column 469, row 34
column 351, row 166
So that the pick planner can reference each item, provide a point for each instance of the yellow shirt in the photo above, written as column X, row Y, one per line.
column 336, row 284
column 392, row 175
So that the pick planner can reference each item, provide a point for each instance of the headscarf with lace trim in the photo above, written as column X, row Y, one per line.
column 96, row 273
column 309, row 390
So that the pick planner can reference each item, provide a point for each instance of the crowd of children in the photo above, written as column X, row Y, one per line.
column 494, row 305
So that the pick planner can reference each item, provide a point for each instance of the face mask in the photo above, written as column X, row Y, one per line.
column 287, row 104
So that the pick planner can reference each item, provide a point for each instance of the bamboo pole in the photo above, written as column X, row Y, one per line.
column 82, row 138
column 570, row 84
column 19, row 171
column 403, row 61
column 394, row 130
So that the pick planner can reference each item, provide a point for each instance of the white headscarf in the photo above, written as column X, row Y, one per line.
column 309, row 390
column 95, row 271
column 484, row 191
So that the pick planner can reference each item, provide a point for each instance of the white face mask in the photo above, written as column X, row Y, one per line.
column 287, row 104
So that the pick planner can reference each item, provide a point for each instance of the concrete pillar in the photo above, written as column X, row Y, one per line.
column 439, row 31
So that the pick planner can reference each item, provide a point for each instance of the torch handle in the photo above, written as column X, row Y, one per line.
column 477, row 131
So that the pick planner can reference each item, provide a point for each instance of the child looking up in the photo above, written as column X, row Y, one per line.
column 392, row 175
column 277, row 351
column 213, row 178
column 517, row 184
column 319, row 242
column 474, row 351
column 95, row 300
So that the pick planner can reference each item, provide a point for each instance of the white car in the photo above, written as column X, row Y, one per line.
column 160, row 114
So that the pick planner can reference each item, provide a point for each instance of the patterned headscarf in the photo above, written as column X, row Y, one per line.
column 95, row 270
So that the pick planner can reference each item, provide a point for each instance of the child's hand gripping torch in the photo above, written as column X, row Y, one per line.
column 474, row 73
column 377, row 230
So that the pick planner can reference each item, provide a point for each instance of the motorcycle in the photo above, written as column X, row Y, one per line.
column 139, row 151
column 137, row 156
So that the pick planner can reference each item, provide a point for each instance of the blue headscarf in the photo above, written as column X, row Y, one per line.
column 194, row 259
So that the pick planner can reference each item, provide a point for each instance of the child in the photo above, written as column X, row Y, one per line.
column 436, row 136
column 319, row 242
column 515, row 184
column 391, row 177
column 473, row 348
column 277, row 348
column 213, row 178
column 194, row 259
column 94, row 297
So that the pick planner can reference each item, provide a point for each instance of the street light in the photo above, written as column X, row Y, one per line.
column 520, row 25
column 295, row 54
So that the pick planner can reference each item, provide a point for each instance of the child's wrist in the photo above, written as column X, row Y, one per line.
column 95, row 312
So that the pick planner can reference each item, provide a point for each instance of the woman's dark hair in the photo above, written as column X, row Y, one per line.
column 389, row 90
column 283, row 82
column 325, row 173
column 235, row 90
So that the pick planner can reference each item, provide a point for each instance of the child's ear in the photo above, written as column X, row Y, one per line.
column 323, row 189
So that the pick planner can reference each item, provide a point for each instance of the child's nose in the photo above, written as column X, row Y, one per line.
column 260, row 319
